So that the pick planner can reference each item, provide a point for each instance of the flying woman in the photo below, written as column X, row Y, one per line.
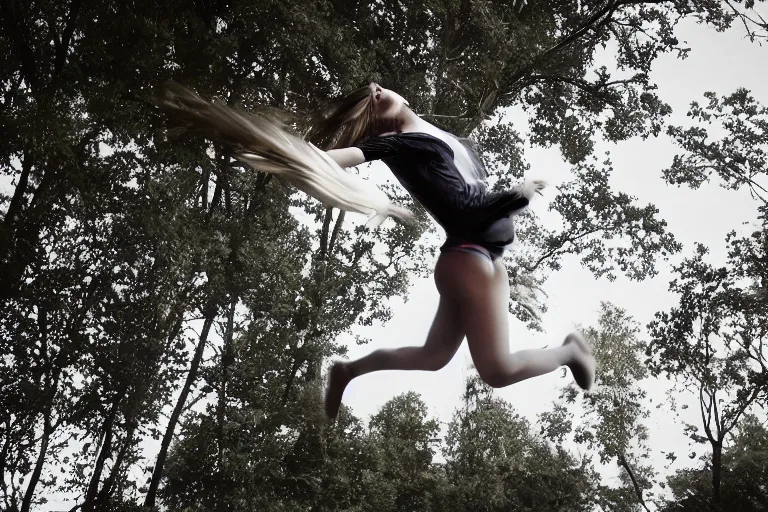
column 447, row 178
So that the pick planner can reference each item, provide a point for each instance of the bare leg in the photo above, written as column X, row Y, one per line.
column 444, row 338
column 482, row 290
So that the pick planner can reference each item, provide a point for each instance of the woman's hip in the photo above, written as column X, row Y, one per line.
column 465, row 269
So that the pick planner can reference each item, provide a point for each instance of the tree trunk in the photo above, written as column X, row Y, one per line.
column 204, row 188
column 109, row 484
column 154, row 484
column 18, row 195
column 226, row 358
column 22, row 237
column 49, row 393
column 717, row 466
column 47, row 431
column 35, row 478
column 104, row 452
column 638, row 492
column 216, row 195
column 6, row 443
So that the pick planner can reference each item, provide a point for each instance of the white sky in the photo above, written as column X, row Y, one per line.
column 719, row 63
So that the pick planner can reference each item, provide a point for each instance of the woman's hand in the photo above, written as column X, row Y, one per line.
column 531, row 187
column 538, row 186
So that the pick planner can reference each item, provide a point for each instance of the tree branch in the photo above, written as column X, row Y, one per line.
column 604, row 13
column 557, row 250
column 336, row 230
column 18, row 193
column 638, row 492
column 718, row 419
column 13, row 26
column 705, row 419
column 66, row 37
column 324, row 233
column 743, row 17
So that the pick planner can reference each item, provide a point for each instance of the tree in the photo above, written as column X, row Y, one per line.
column 611, row 423
column 714, row 343
column 743, row 485
column 404, row 441
column 495, row 462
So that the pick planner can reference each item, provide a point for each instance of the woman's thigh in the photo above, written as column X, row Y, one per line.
column 480, row 289
column 446, row 333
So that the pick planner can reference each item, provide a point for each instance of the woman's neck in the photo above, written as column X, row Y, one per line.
column 407, row 121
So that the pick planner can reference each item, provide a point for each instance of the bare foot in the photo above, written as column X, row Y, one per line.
column 583, row 365
column 338, row 378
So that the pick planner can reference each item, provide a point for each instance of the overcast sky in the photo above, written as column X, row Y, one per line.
column 719, row 63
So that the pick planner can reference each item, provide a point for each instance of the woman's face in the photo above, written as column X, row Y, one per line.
column 386, row 103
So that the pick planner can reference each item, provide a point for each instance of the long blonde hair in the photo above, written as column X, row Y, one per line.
column 266, row 145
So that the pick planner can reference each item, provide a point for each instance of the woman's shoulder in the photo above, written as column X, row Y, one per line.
column 422, row 140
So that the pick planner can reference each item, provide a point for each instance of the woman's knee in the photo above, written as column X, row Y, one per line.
column 494, row 375
column 495, row 380
column 437, row 361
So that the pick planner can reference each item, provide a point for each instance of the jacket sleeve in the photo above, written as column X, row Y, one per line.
column 498, row 205
column 379, row 148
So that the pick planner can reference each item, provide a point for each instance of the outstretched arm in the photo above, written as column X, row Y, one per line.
column 347, row 157
column 373, row 148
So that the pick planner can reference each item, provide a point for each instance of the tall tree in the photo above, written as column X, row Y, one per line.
column 715, row 339
column 495, row 461
column 714, row 343
column 611, row 415
column 744, row 484
column 404, row 441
